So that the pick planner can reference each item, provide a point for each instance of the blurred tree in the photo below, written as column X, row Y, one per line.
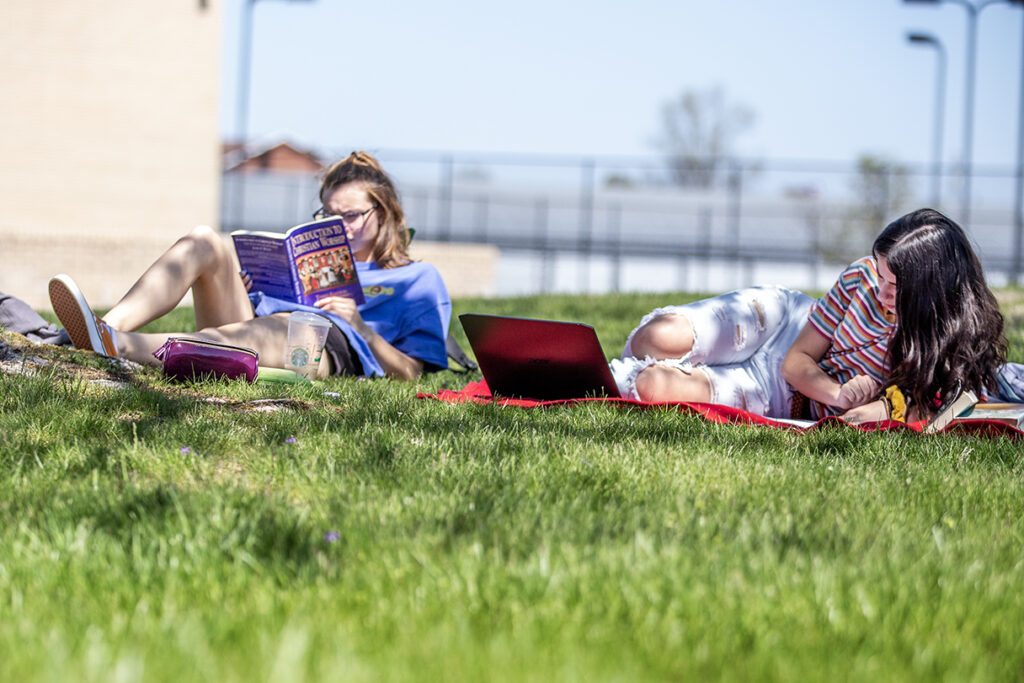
column 881, row 192
column 881, row 188
column 698, row 131
column 621, row 181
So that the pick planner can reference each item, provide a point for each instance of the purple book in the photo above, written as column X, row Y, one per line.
column 304, row 264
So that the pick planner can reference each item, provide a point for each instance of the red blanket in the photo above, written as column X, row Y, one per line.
column 477, row 392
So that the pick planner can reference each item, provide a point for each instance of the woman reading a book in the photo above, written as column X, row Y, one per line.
column 899, row 332
column 400, row 330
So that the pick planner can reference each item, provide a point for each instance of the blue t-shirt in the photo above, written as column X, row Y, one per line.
column 408, row 307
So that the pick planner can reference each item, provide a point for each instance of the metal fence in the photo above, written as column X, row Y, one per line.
column 620, row 223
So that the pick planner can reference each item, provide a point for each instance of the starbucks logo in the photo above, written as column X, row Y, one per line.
column 299, row 357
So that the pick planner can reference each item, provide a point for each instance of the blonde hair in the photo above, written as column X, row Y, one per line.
column 391, row 248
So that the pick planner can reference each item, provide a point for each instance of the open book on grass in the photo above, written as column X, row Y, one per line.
column 966, row 408
column 304, row 264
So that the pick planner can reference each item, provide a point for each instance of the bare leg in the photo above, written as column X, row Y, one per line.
column 662, row 383
column 267, row 335
column 667, row 336
column 201, row 261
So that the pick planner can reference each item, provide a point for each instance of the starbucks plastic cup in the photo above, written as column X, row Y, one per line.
column 307, row 333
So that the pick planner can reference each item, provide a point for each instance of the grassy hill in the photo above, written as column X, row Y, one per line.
column 347, row 530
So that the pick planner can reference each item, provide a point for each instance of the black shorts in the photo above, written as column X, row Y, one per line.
column 343, row 358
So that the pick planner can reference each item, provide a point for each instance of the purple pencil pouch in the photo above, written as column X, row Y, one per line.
column 191, row 359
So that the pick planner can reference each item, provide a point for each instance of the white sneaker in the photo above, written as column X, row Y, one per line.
column 86, row 329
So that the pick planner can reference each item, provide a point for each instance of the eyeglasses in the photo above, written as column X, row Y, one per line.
column 347, row 218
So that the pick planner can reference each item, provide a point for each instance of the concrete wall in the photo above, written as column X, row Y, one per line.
column 469, row 270
column 108, row 136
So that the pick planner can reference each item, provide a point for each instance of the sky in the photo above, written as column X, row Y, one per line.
column 826, row 79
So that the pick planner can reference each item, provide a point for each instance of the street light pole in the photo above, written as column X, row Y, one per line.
column 242, row 100
column 242, row 112
column 244, row 71
column 1018, row 202
column 940, row 105
column 972, row 44
column 973, row 10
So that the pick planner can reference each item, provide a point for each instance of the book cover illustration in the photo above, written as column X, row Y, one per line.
column 1007, row 413
column 305, row 264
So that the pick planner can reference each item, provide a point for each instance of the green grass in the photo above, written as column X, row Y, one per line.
column 486, row 543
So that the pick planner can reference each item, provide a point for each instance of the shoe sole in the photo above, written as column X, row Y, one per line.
column 70, row 307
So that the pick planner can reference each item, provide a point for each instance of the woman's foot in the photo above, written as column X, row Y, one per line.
column 86, row 329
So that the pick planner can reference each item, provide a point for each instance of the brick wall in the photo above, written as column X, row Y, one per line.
column 110, row 144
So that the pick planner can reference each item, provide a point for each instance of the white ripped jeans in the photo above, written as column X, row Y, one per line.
column 739, row 341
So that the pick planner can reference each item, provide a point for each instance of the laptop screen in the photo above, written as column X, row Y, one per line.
column 539, row 359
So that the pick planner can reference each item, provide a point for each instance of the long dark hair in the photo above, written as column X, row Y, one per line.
column 949, row 330
column 392, row 246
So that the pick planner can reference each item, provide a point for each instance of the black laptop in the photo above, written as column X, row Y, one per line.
column 539, row 359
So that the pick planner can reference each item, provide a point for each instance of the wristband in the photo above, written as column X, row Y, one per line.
column 897, row 403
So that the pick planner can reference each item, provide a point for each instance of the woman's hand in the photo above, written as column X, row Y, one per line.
column 394, row 362
column 346, row 309
column 246, row 279
column 875, row 411
column 856, row 392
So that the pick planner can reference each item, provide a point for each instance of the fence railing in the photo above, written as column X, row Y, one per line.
column 618, row 211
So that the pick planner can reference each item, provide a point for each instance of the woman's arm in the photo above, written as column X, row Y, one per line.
column 876, row 411
column 394, row 362
column 800, row 368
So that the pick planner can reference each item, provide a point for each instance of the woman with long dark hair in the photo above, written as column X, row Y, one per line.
column 900, row 331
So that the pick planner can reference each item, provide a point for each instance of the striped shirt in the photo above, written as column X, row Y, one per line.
column 853, row 319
